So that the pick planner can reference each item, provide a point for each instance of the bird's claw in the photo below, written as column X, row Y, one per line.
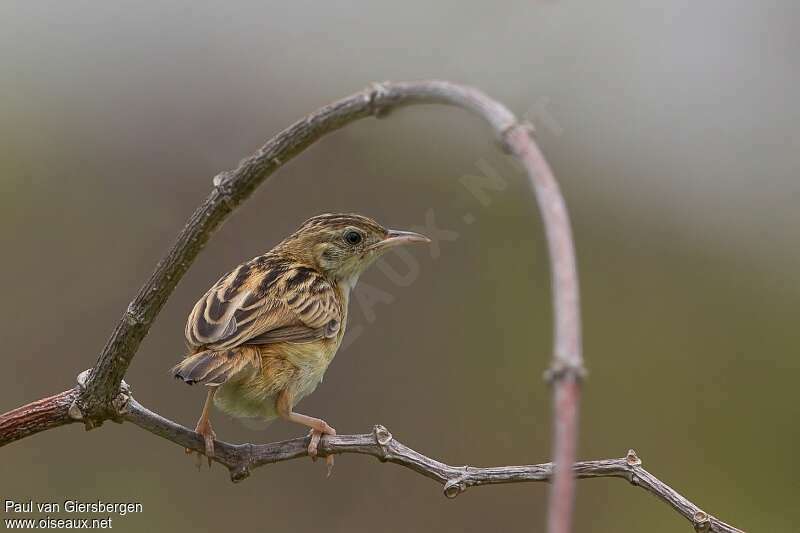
column 313, row 445
column 315, row 435
column 329, row 463
column 208, row 440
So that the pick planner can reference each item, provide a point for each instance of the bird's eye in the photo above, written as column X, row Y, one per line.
column 352, row 237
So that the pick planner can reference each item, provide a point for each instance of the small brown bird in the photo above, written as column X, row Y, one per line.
column 262, row 337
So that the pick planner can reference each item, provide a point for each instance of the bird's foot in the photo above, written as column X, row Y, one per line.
column 205, row 430
column 316, row 434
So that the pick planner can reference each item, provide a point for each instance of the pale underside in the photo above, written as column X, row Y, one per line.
column 297, row 366
column 271, row 333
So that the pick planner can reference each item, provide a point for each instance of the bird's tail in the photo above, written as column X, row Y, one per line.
column 216, row 367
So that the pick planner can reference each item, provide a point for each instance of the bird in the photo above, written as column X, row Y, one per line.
column 261, row 338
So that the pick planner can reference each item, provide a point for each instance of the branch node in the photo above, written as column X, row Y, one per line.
column 133, row 316
column 382, row 438
column 121, row 401
column 119, row 404
column 560, row 370
column 502, row 140
column 74, row 411
column 222, row 185
column 456, row 485
column 632, row 459
column 82, row 378
column 382, row 435
column 701, row 521
column 240, row 472
column 375, row 97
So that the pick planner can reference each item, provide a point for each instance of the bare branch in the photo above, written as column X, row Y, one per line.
column 38, row 416
column 566, row 369
column 241, row 459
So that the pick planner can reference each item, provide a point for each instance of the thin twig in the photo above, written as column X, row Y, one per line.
column 241, row 459
column 566, row 370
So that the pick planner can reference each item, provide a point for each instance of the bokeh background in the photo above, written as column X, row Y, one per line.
column 673, row 128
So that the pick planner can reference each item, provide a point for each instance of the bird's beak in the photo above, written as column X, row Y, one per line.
column 397, row 238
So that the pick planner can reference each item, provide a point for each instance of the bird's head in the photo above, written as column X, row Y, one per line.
column 343, row 245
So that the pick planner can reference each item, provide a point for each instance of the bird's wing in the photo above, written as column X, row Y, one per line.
column 265, row 301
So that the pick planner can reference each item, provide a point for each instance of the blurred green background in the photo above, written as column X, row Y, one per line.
column 673, row 128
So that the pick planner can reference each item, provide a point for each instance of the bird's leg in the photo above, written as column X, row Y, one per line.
column 204, row 429
column 318, row 426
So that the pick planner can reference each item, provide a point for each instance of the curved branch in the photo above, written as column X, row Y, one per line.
column 96, row 400
column 241, row 459
column 233, row 187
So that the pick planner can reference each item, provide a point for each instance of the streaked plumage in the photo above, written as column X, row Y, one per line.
column 263, row 335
